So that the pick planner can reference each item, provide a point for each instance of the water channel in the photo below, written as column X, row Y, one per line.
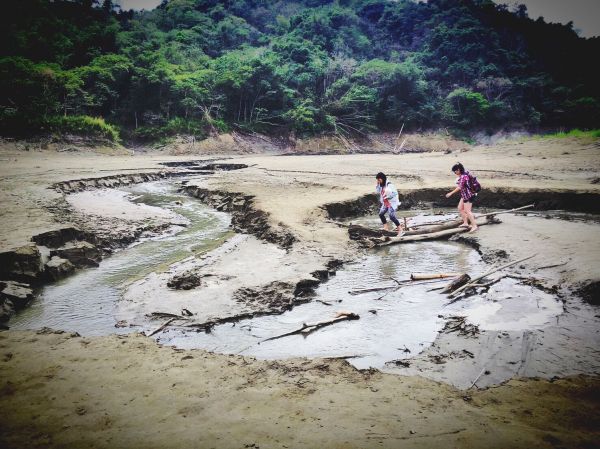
column 393, row 324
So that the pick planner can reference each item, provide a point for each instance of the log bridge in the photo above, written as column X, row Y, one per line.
column 441, row 230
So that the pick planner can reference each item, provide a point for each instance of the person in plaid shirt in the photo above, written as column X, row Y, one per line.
column 467, row 197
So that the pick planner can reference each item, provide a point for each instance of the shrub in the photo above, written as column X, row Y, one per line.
column 176, row 126
column 82, row 125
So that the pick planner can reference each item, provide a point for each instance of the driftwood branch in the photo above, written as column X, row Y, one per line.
column 374, row 289
column 160, row 328
column 403, row 283
column 485, row 286
column 309, row 328
column 492, row 271
column 456, row 283
column 551, row 266
column 477, row 378
column 162, row 315
column 428, row 276
column 505, row 211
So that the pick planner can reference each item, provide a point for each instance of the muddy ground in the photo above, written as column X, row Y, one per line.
column 62, row 390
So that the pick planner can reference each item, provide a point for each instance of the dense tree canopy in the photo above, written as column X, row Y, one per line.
column 308, row 66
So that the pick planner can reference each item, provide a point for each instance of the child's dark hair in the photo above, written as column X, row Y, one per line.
column 381, row 176
column 458, row 166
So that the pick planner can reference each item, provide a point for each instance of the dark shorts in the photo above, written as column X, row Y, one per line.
column 470, row 200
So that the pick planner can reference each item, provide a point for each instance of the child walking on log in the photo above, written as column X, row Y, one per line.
column 388, row 197
column 467, row 197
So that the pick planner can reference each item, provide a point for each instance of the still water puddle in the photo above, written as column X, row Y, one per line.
column 393, row 324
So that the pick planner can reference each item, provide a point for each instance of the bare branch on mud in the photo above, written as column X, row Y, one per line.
column 403, row 283
column 309, row 328
column 428, row 276
column 477, row 378
column 160, row 328
column 551, row 266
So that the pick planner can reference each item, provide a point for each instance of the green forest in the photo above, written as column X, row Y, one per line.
column 306, row 67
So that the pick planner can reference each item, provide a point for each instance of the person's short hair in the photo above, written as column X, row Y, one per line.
column 381, row 176
column 458, row 166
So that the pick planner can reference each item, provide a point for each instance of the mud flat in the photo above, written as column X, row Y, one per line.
column 62, row 390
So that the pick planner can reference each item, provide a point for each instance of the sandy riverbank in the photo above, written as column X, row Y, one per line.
column 66, row 391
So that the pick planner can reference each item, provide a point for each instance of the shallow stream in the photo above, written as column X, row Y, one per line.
column 394, row 324
column 87, row 301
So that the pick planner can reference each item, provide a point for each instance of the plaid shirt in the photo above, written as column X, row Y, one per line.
column 465, row 186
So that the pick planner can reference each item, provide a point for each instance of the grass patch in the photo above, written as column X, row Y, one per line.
column 593, row 133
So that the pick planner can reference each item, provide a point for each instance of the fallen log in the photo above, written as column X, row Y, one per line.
column 456, row 283
column 309, row 328
column 426, row 276
column 427, row 236
column 445, row 224
column 434, row 228
column 358, row 232
column 492, row 271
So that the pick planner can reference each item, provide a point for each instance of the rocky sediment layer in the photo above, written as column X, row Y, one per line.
column 56, row 254
column 77, row 185
column 245, row 217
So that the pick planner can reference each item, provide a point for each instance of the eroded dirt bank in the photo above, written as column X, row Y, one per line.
column 67, row 391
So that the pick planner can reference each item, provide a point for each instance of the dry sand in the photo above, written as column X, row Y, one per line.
column 58, row 390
